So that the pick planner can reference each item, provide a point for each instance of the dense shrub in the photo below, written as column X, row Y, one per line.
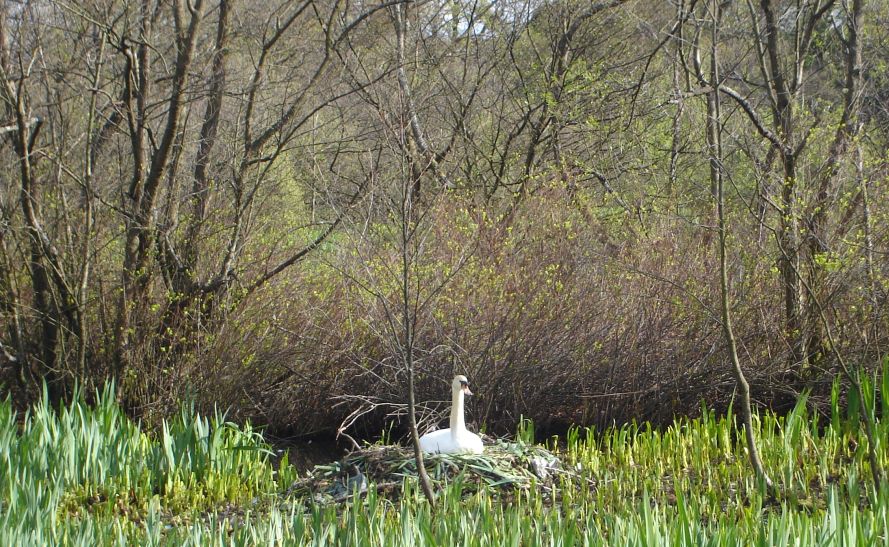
column 556, row 312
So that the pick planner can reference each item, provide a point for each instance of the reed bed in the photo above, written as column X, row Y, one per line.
column 87, row 475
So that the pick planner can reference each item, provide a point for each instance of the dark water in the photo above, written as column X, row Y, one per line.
column 305, row 453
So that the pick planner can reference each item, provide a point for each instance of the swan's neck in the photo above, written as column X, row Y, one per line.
column 458, row 424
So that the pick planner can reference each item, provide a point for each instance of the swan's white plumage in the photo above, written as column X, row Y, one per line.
column 443, row 442
column 456, row 439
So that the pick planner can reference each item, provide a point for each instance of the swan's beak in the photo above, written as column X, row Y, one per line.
column 465, row 388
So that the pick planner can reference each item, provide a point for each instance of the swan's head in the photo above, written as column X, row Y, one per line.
column 459, row 384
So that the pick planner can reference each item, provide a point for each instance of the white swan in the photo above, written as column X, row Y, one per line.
column 456, row 439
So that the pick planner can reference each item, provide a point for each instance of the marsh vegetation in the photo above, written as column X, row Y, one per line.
column 87, row 475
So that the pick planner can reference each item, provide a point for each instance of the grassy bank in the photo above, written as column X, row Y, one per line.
column 86, row 475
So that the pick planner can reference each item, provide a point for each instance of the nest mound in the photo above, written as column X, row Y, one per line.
column 505, row 466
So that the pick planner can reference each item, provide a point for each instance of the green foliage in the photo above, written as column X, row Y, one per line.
column 88, row 475
column 70, row 472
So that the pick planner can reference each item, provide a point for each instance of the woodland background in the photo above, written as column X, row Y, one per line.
column 278, row 207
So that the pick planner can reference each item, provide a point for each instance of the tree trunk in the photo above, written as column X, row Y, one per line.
column 817, row 238
column 714, row 140
column 409, row 318
column 788, row 240
column 140, row 238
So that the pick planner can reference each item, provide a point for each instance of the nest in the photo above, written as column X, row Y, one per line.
column 504, row 466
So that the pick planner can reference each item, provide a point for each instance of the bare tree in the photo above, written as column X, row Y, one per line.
column 714, row 142
column 55, row 299
column 157, row 106
column 781, row 39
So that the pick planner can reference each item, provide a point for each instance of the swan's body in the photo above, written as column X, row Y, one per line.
column 456, row 439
